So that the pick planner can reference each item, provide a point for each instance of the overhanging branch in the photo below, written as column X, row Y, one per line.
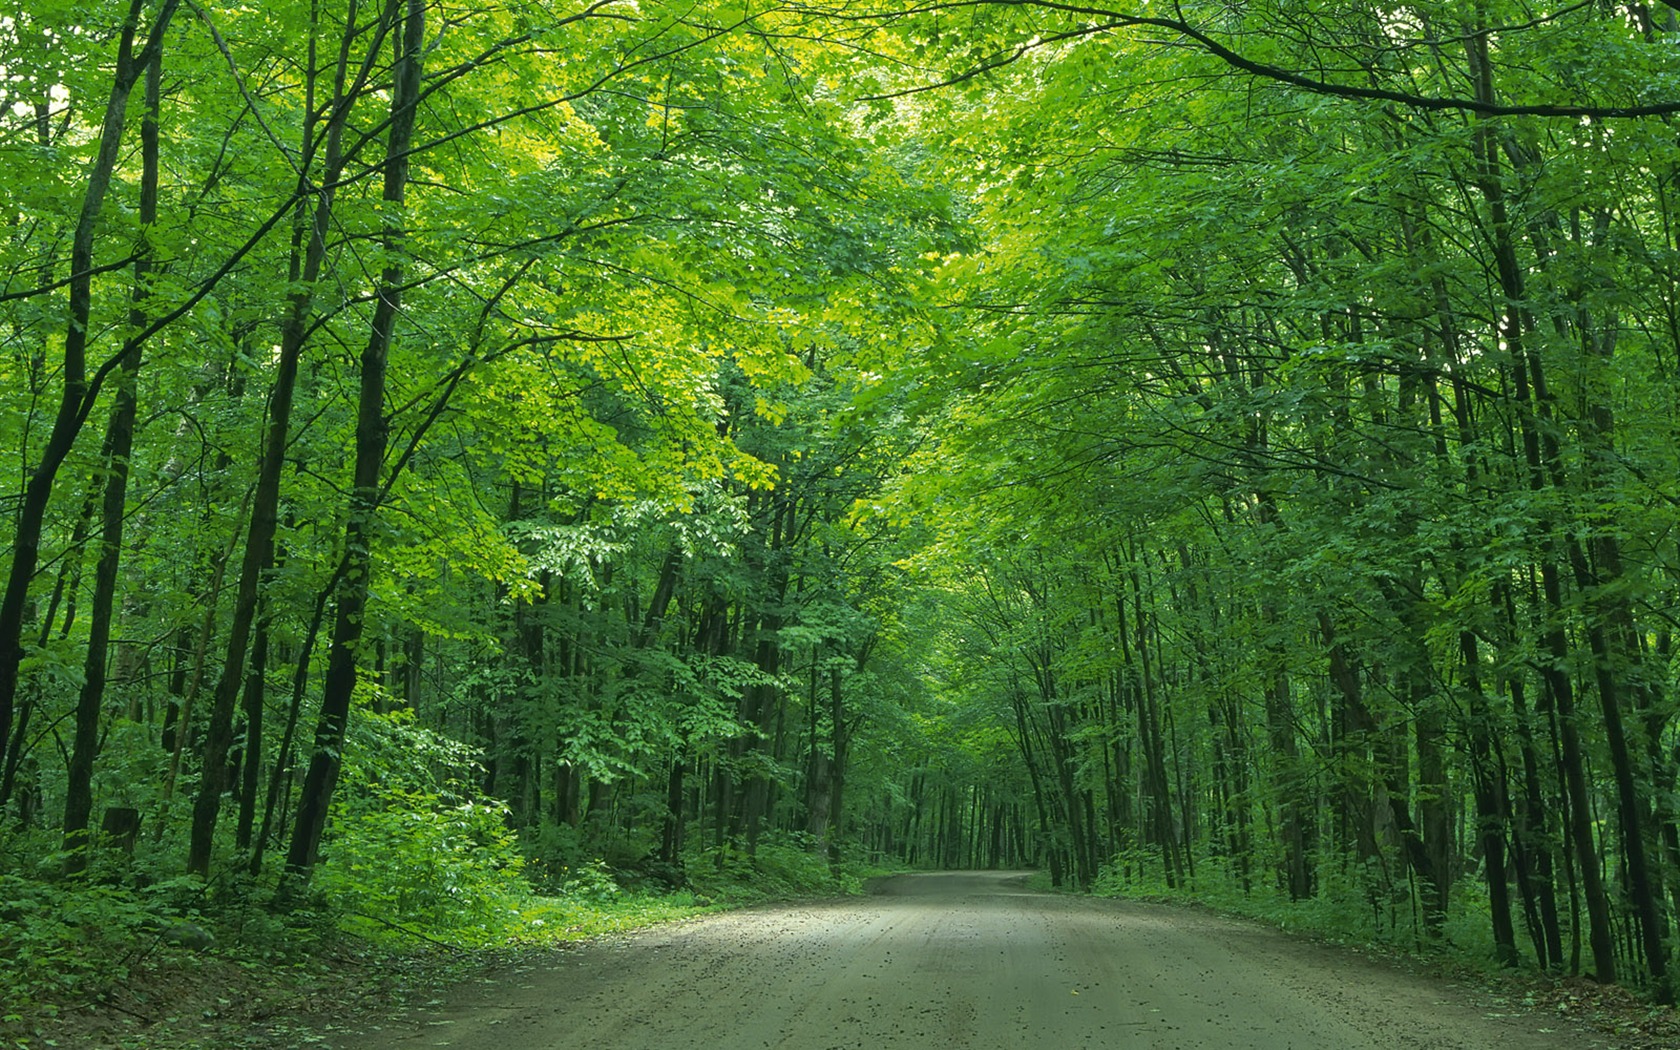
column 1108, row 20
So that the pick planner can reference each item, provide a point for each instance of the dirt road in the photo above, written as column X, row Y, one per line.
column 968, row 961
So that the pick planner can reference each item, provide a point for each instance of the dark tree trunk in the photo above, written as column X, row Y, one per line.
column 78, row 794
column 251, row 757
column 279, row 776
column 1514, row 331
column 308, row 255
column 78, row 394
column 322, row 778
column 1492, row 804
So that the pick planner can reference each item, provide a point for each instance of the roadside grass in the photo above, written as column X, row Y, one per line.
column 1343, row 910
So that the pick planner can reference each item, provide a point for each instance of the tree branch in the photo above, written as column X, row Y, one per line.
column 1113, row 20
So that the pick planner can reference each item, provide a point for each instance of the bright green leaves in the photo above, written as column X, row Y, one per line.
column 414, row 841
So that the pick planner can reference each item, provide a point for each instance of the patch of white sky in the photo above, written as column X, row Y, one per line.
column 13, row 72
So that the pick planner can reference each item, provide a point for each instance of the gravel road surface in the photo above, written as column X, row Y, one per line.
column 968, row 961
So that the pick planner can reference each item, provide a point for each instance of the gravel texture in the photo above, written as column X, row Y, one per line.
column 970, row 961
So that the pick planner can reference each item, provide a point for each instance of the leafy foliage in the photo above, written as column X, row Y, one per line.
column 413, row 842
column 702, row 447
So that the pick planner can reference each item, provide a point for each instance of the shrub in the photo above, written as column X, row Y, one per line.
column 413, row 843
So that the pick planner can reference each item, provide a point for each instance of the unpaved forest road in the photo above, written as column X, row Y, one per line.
column 969, row 961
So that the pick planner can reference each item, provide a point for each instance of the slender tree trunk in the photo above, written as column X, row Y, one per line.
column 1492, row 806
column 78, row 795
column 189, row 678
column 1536, row 834
column 1434, row 808
column 841, row 737
column 671, row 834
column 308, row 255
column 322, row 778
column 69, row 580
column 1295, row 820
column 78, row 394
column 256, row 692
column 1029, row 759
column 1159, row 819
column 278, row 777
column 1513, row 329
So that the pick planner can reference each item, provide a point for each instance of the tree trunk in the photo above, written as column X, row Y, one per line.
column 1492, row 805
column 308, row 254
column 78, row 394
column 78, row 794
column 256, row 691
column 1513, row 330
column 841, row 740
column 340, row 683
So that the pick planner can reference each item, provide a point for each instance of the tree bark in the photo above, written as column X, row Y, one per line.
column 1514, row 329
column 75, row 402
column 308, row 254
column 78, row 794
column 339, row 686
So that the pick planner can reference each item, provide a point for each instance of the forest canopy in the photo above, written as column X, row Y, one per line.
column 1217, row 449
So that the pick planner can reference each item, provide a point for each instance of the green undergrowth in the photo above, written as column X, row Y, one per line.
column 125, row 960
column 420, row 881
column 594, row 900
column 1347, row 908
column 1350, row 908
column 419, row 853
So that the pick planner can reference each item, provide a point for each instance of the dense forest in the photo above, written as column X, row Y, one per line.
column 1230, row 450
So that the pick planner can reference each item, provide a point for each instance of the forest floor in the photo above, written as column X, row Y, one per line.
column 965, row 961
